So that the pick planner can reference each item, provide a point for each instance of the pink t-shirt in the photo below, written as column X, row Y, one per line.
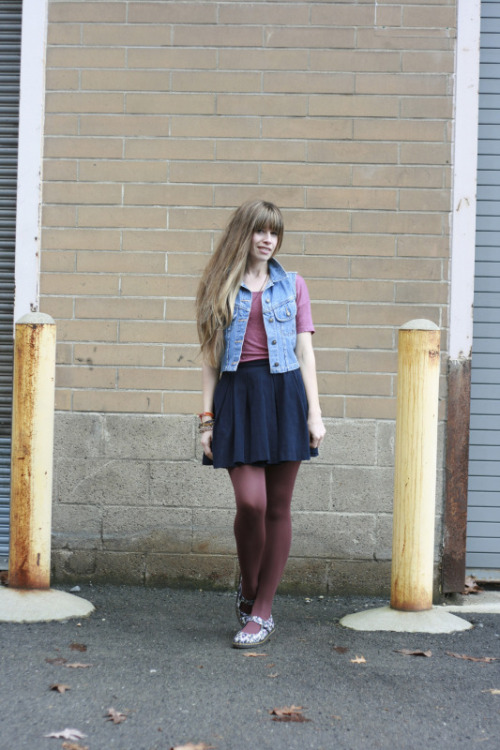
column 255, row 341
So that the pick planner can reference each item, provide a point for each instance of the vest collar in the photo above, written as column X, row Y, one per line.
column 276, row 272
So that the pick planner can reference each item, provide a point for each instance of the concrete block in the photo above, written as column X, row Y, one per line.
column 200, row 571
column 313, row 487
column 386, row 436
column 307, row 576
column 72, row 565
column 102, row 482
column 359, row 578
column 383, row 542
column 76, row 527
column 147, row 529
column 333, row 535
column 362, row 489
column 349, row 441
column 213, row 532
column 189, row 484
column 78, row 435
column 149, row 437
column 119, row 567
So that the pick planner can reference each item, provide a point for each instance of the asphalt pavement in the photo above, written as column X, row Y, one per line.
column 162, row 659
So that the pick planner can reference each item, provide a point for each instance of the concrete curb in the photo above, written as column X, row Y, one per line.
column 487, row 602
column 17, row 605
column 435, row 620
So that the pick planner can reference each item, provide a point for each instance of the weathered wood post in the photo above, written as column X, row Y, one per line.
column 415, row 466
column 32, row 452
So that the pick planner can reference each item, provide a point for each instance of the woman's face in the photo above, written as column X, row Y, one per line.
column 264, row 242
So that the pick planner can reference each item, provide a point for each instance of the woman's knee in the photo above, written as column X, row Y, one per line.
column 251, row 505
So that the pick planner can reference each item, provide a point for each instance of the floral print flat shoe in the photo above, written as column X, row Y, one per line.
column 250, row 640
column 240, row 599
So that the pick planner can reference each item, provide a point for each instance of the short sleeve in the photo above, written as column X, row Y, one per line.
column 304, row 321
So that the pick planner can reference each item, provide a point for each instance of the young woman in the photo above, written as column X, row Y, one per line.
column 261, row 415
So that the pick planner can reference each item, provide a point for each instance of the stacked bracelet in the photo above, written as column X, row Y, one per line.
column 206, row 414
column 208, row 424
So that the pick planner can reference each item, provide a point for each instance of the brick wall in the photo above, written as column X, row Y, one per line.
column 161, row 117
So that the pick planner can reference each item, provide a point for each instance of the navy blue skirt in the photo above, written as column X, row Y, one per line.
column 260, row 417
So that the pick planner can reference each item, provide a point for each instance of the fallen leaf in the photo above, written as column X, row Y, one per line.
column 77, row 665
column 78, row 646
column 272, row 675
column 59, row 687
column 253, row 653
column 115, row 716
column 409, row 652
column 56, row 660
column 67, row 734
column 486, row 659
column 341, row 649
column 288, row 713
column 73, row 746
column 493, row 691
column 359, row 660
column 190, row 746
column 470, row 586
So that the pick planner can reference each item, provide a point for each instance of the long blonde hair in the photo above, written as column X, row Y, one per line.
column 223, row 274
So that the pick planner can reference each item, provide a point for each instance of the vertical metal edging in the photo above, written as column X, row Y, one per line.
column 463, row 218
column 10, row 64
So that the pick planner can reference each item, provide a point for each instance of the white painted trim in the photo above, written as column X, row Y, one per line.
column 30, row 153
column 464, row 177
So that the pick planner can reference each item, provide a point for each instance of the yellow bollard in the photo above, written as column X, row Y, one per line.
column 32, row 452
column 415, row 466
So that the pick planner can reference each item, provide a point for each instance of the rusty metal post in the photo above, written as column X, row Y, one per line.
column 415, row 466
column 32, row 452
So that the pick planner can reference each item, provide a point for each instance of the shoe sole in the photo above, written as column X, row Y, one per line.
column 254, row 645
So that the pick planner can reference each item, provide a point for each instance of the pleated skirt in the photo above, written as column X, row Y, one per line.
column 260, row 417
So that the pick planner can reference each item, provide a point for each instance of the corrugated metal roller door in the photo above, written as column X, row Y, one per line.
column 10, row 55
column 483, row 528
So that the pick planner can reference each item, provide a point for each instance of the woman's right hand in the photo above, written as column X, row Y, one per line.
column 206, row 443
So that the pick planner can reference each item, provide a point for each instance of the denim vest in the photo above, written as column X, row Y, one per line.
column 279, row 309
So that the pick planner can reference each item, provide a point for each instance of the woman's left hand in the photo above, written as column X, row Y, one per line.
column 316, row 431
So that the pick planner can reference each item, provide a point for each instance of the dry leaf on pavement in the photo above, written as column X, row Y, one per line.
column 493, row 691
column 77, row 665
column 253, row 653
column 409, row 652
column 470, row 586
column 486, row 659
column 341, row 649
column 288, row 713
column 73, row 746
column 115, row 716
column 59, row 687
column 56, row 660
column 78, row 646
column 67, row 734
column 190, row 746
column 359, row 660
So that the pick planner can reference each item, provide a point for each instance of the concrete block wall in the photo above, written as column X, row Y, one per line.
column 161, row 117
column 133, row 502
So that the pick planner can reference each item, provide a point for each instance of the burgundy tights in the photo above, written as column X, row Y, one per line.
column 263, row 530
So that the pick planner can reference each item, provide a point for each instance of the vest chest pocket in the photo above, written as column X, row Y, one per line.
column 285, row 317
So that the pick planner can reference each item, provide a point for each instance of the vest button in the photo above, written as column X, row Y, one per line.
column 271, row 320
column 276, row 364
column 274, row 341
column 268, row 299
